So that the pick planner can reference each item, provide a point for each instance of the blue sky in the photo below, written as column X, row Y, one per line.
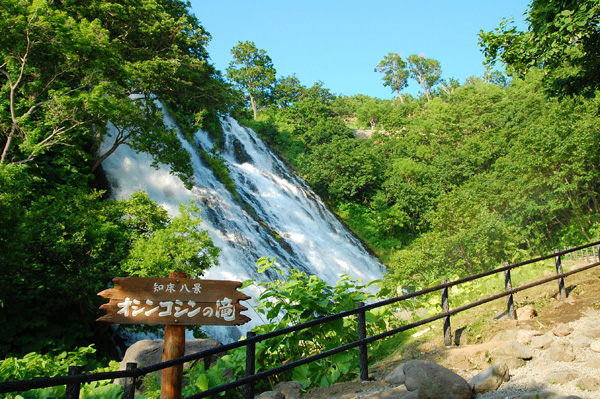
column 340, row 42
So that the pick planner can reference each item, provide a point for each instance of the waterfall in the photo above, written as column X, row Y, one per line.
column 302, row 233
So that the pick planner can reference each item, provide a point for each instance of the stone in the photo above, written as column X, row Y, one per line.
column 512, row 362
column 542, row 341
column 595, row 345
column 490, row 379
column 399, row 392
column 593, row 332
column 561, row 352
column 526, row 313
column 434, row 381
column 588, row 384
column 396, row 376
column 581, row 341
column 521, row 336
column 270, row 395
column 514, row 349
column 561, row 376
column 593, row 363
column 289, row 389
column 562, row 330
column 147, row 352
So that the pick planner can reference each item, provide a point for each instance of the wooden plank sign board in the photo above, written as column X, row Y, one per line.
column 174, row 301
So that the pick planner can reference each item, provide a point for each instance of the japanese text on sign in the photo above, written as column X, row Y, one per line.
column 134, row 307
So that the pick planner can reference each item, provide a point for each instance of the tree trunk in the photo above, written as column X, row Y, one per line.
column 253, row 103
column 400, row 97
column 8, row 144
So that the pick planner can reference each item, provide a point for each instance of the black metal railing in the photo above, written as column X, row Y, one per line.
column 75, row 378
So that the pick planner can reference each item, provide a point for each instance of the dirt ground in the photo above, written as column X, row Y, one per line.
column 480, row 324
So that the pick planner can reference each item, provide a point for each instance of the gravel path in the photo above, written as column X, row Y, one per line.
column 551, row 373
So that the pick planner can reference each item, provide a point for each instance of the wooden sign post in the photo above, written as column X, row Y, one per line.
column 175, row 302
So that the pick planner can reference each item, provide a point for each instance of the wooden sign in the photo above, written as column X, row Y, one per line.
column 174, row 301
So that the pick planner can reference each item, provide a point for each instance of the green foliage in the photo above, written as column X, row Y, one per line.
column 562, row 38
column 395, row 74
column 181, row 246
column 252, row 70
column 292, row 299
column 35, row 365
column 426, row 71
column 65, row 72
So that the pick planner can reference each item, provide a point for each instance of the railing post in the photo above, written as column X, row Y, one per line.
column 72, row 391
column 250, row 365
column 567, row 255
column 562, row 292
column 362, row 349
column 510, row 305
column 446, row 309
column 129, row 383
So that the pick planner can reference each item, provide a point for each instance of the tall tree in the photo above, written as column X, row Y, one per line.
column 426, row 71
column 252, row 69
column 563, row 38
column 395, row 74
column 65, row 72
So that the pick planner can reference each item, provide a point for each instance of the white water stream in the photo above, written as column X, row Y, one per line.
column 312, row 238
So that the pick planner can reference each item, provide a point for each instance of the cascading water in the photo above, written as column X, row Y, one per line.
column 309, row 236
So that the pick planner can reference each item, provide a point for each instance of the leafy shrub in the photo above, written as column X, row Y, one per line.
column 35, row 365
column 293, row 299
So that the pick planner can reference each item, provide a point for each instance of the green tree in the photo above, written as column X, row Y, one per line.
column 180, row 246
column 426, row 71
column 65, row 72
column 288, row 90
column 395, row 74
column 563, row 38
column 253, row 71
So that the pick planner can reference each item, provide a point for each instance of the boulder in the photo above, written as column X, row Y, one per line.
column 399, row 392
column 521, row 336
column 562, row 330
column 490, row 379
column 149, row 351
column 542, row 341
column 270, row 395
column 290, row 389
column 434, row 381
column 396, row 376
column 514, row 349
column 561, row 352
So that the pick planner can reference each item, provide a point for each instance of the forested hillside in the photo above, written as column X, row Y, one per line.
column 452, row 182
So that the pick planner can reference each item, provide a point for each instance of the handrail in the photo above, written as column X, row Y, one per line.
column 13, row 386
